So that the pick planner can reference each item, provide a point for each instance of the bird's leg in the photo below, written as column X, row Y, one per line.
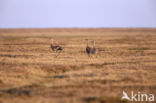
column 58, row 54
column 91, row 59
column 55, row 53
column 89, row 56
column 96, row 55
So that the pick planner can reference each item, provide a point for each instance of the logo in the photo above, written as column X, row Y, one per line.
column 138, row 97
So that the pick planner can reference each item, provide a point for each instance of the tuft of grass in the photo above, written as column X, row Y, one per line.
column 58, row 76
column 16, row 92
column 20, row 91
column 1, row 82
column 104, row 100
column 139, row 48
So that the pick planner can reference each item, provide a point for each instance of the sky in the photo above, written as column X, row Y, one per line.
column 77, row 13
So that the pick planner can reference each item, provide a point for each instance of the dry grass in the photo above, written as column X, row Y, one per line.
column 30, row 73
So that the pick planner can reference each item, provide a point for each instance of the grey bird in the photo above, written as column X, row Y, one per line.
column 55, row 48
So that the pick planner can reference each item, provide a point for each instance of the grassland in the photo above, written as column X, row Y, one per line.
column 30, row 73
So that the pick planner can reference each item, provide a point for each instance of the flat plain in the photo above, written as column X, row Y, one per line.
column 31, row 73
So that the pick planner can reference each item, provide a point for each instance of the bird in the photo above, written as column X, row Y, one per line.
column 91, row 50
column 88, row 48
column 56, row 48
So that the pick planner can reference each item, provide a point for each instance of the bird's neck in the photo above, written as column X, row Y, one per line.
column 52, row 44
column 94, row 44
column 87, row 43
column 52, row 41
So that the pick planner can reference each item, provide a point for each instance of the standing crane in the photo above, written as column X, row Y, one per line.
column 93, row 50
column 55, row 48
column 90, row 50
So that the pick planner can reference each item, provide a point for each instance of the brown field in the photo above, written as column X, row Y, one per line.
column 30, row 73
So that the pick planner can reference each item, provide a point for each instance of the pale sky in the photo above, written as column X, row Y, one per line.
column 77, row 13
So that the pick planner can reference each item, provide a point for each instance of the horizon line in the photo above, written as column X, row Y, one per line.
column 82, row 28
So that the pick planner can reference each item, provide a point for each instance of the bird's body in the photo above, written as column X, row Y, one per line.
column 56, row 48
column 90, row 50
column 93, row 50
